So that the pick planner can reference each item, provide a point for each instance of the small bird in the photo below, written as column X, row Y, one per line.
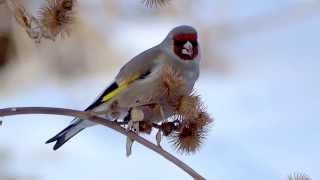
column 139, row 78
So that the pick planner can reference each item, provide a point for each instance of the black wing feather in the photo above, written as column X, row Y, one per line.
column 111, row 88
column 96, row 103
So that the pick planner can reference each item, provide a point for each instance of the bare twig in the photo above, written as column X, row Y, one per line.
column 104, row 122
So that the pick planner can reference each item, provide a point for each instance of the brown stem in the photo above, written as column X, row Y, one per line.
column 104, row 122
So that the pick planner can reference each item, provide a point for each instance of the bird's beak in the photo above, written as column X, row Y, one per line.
column 187, row 49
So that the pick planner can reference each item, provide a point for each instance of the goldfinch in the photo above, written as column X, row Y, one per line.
column 139, row 79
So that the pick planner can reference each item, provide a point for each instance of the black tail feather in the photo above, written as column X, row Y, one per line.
column 61, row 138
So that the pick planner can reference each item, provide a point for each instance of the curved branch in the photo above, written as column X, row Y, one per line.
column 104, row 122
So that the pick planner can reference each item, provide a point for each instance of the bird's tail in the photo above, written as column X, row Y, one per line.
column 74, row 128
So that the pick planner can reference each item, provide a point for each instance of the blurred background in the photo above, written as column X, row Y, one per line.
column 259, row 80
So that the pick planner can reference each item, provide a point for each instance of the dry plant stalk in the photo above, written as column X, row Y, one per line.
column 54, row 18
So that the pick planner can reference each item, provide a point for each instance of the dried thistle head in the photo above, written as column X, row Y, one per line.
column 172, row 85
column 28, row 22
column 155, row 3
column 190, row 133
column 189, row 138
column 189, row 106
column 168, row 127
column 114, row 109
column 56, row 16
column 298, row 176
column 21, row 15
column 191, row 109
column 203, row 119
column 145, row 127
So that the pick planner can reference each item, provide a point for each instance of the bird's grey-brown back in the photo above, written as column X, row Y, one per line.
column 139, row 64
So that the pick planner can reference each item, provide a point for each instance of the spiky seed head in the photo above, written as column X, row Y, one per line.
column 172, row 85
column 114, row 109
column 155, row 3
column 189, row 134
column 298, row 176
column 56, row 17
column 189, row 138
column 167, row 128
column 21, row 15
column 67, row 4
column 145, row 127
column 203, row 119
column 188, row 106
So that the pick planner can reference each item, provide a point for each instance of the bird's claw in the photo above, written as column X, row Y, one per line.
column 158, row 138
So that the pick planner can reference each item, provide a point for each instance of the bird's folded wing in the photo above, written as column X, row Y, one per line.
column 139, row 67
column 112, row 91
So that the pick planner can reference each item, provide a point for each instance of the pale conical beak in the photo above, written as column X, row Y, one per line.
column 187, row 49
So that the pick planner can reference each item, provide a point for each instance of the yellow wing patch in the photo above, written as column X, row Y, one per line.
column 123, row 85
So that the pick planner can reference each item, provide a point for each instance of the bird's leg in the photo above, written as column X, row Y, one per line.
column 129, row 146
column 158, row 137
column 159, row 133
column 136, row 116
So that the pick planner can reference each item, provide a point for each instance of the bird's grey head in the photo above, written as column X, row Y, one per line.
column 182, row 42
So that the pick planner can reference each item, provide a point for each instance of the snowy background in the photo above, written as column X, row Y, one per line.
column 260, row 81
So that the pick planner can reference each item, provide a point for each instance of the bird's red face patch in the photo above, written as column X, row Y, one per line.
column 185, row 46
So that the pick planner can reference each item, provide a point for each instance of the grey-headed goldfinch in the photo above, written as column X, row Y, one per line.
column 140, row 76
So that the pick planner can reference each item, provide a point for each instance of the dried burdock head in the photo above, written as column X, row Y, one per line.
column 298, row 176
column 167, row 128
column 56, row 17
column 191, row 109
column 189, row 138
column 189, row 106
column 203, row 119
column 145, row 127
column 68, row 5
column 155, row 3
column 172, row 86
column 21, row 15
column 114, row 109
column 188, row 110
column 29, row 23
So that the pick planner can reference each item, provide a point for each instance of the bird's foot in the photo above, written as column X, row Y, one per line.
column 159, row 137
